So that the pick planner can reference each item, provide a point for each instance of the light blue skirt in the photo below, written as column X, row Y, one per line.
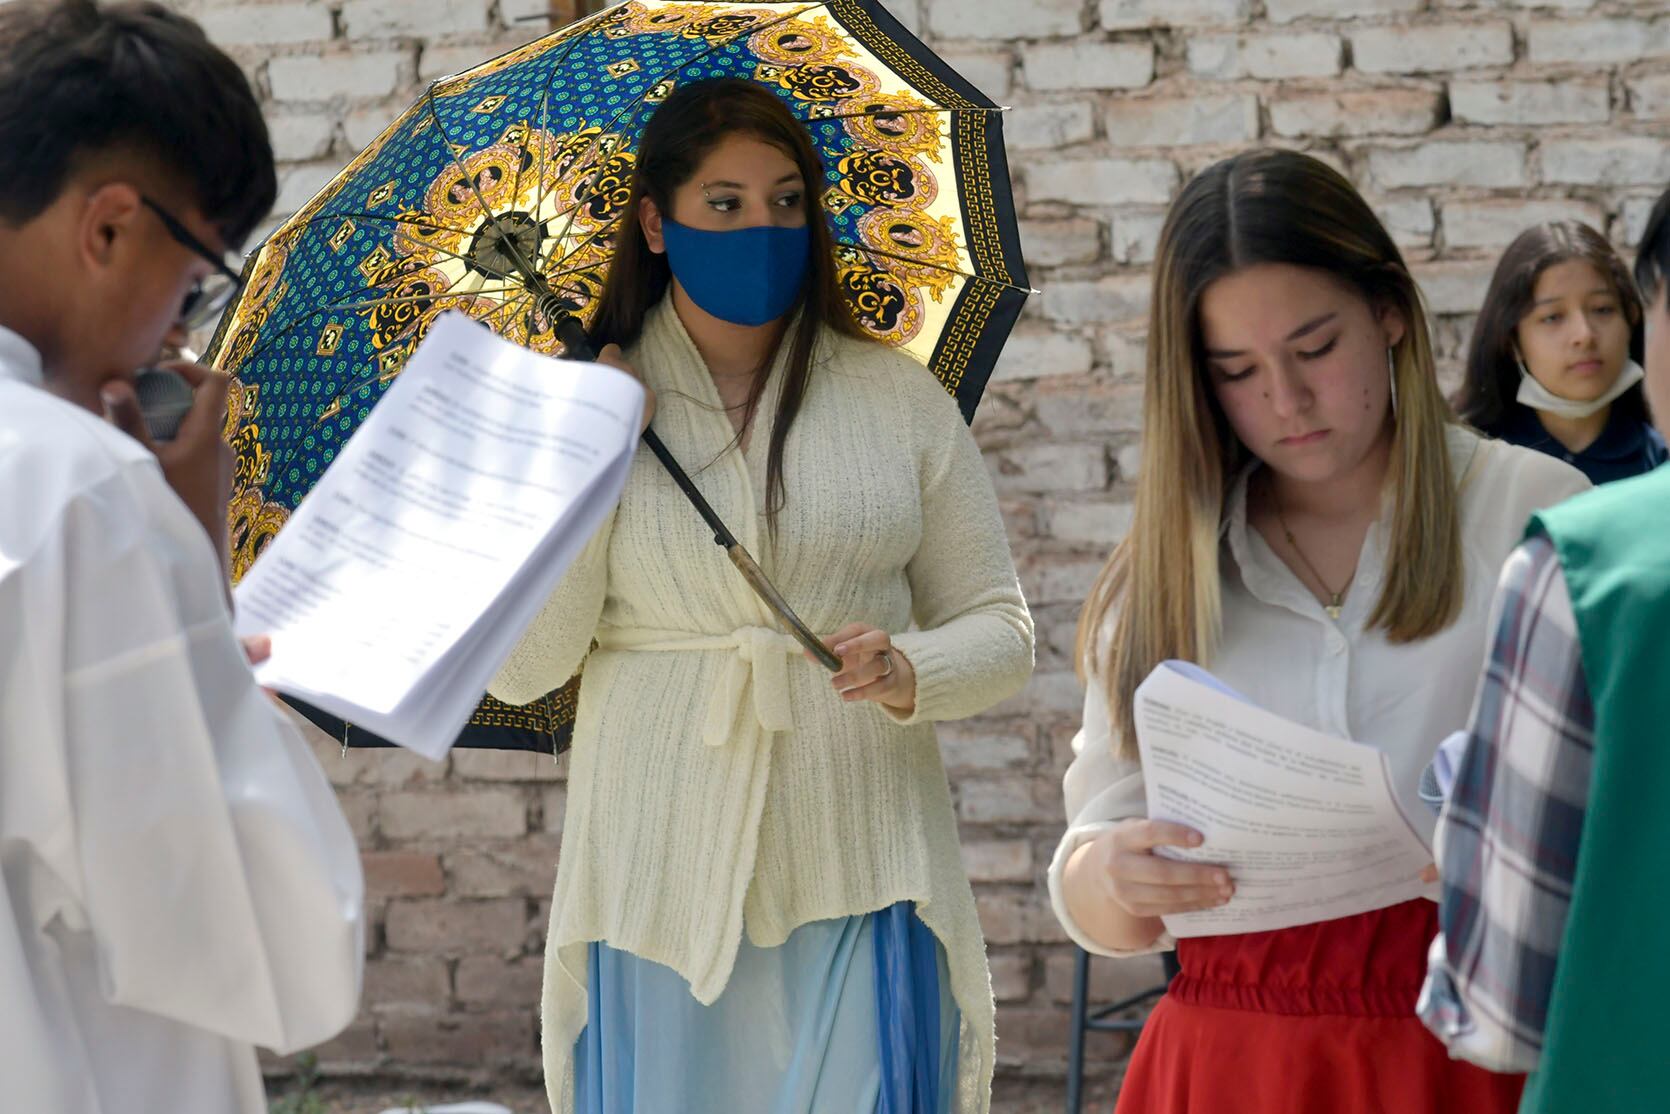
column 847, row 1016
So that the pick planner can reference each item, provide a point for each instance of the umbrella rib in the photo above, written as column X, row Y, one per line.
column 507, row 306
column 404, row 299
column 591, row 182
column 516, row 182
column 544, row 146
column 496, row 273
column 446, row 141
column 320, row 218
column 575, row 250
column 841, row 116
column 914, row 262
column 296, row 322
column 545, row 113
column 327, row 413
column 581, row 269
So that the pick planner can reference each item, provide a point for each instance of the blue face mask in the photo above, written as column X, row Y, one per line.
column 749, row 276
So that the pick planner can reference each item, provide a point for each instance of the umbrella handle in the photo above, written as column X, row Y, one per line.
column 756, row 578
column 577, row 345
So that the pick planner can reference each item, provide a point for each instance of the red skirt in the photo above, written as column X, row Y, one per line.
column 1318, row 1019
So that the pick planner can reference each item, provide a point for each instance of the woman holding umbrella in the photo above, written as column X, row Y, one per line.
column 759, row 861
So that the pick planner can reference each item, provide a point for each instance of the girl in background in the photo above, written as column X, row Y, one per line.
column 1554, row 362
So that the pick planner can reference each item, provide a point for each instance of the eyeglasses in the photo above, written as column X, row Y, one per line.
column 209, row 295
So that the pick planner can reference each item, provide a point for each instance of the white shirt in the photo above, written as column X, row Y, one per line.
column 177, row 881
column 1280, row 648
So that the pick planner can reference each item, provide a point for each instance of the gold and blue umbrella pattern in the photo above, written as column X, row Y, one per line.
column 526, row 162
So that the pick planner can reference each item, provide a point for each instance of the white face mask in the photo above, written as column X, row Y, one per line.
column 1539, row 397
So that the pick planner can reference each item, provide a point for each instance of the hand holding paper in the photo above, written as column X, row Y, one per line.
column 407, row 575
column 1308, row 826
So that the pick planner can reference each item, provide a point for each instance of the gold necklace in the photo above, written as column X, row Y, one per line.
column 1336, row 600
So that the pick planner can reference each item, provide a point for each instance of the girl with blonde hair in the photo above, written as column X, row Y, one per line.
column 1313, row 526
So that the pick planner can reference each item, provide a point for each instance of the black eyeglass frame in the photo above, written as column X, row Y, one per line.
column 193, row 307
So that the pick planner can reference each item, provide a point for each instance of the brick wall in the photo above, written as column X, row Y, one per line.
column 1462, row 121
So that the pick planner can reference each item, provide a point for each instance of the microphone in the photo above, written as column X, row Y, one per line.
column 165, row 398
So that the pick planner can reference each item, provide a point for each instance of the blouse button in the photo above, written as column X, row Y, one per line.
column 1336, row 644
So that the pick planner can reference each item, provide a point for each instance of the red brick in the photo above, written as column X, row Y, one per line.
column 447, row 815
column 486, row 981
column 402, row 874
column 457, row 928
column 434, row 1039
column 398, row 980
column 526, row 868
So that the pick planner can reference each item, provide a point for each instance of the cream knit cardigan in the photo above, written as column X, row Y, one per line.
column 718, row 783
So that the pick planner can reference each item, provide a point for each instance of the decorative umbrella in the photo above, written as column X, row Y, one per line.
column 498, row 194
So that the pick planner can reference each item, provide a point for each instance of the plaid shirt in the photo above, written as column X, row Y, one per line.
column 1507, row 839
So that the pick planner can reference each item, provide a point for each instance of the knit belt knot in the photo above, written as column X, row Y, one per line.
column 756, row 677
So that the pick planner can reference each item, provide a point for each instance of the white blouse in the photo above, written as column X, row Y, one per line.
column 1281, row 649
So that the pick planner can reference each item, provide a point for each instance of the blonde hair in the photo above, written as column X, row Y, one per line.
column 1161, row 585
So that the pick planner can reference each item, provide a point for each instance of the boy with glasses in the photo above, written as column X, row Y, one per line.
column 177, row 882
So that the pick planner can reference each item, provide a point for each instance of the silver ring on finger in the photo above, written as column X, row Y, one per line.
column 887, row 660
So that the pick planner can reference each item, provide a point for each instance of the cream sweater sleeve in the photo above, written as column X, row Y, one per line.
column 553, row 648
column 973, row 644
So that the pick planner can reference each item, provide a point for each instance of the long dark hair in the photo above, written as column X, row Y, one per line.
column 1487, row 399
column 694, row 120
column 1161, row 587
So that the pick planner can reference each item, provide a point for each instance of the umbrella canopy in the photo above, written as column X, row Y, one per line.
column 524, row 165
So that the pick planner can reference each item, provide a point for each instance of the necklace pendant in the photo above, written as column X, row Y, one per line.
column 1333, row 608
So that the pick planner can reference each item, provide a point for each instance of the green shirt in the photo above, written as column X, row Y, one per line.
column 1605, row 1050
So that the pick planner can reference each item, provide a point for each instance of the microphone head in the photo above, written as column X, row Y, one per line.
column 1431, row 794
column 164, row 400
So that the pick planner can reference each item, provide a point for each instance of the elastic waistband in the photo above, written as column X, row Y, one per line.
column 1297, row 1000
